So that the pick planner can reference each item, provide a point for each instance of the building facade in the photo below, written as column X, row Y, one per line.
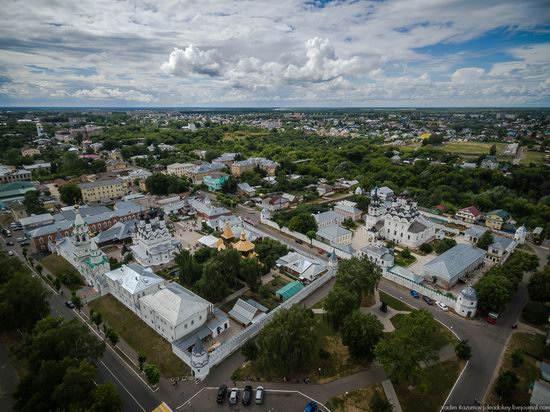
column 103, row 189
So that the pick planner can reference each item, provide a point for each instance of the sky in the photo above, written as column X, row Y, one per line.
column 276, row 53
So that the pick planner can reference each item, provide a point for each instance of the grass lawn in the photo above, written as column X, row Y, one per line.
column 440, row 378
column 533, row 348
column 243, row 134
column 338, row 365
column 394, row 303
column 534, row 157
column 471, row 148
column 139, row 336
column 401, row 261
column 357, row 400
column 59, row 266
column 442, row 337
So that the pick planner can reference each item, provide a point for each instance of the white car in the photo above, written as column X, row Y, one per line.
column 10, row 253
column 234, row 396
column 442, row 306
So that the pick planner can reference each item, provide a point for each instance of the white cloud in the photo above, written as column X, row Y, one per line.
column 192, row 60
column 467, row 75
column 105, row 93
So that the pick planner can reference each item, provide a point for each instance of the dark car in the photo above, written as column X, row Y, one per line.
column 415, row 294
column 222, row 393
column 10, row 243
column 247, row 395
column 428, row 300
column 311, row 407
column 70, row 304
column 299, row 241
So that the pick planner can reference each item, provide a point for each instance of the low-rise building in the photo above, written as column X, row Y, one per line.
column 378, row 254
column 490, row 162
column 500, row 249
column 474, row 233
column 454, row 264
column 30, row 151
column 328, row 218
column 334, row 235
column 35, row 221
column 268, row 166
column 348, row 209
column 384, row 193
column 301, row 266
column 215, row 181
column 103, row 189
column 497, row 218
column 10, row 174
column 468, row 214
column 178, row 169
column 15, row 190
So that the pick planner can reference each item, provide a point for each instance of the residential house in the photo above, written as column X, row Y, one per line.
column 496, row 219
column 246, row 312
column 500, row 249
column 468, row 214
column 489, row 162
column 215, row 181
column 275, row 202
column 30, row 151
column 244, row 189
column 268, row 166
column 178, row 169
column 384, row 193
column 300, row 266
column 474, row 233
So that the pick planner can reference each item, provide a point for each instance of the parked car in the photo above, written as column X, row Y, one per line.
column 21, row 239
column 70, row 304
column 7, row 233
column 10, row 253
column 415, row 294
column 222, row 393
column 259, row 399
column 299, row 241
column 10, row 243
column 428, row 300
column 234, row 396
column 25, row 243
column 442, row 306
column 492, row 318
column 247, row 395
column 311, row 407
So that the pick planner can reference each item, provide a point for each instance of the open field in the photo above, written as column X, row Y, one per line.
column 440, row 378
column 139, row 336
column 57, row 265
column 472, row 148
column 355, row 401
column 534, row 157
column 532, row 347
column 243, row 134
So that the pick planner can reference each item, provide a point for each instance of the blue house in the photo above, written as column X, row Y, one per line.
column 215, row 181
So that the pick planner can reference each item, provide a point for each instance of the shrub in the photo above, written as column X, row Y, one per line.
column 506, row 383
column 426, row 248
column 535, row 312
column 517, row 358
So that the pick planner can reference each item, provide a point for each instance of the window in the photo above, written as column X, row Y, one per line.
column 192, row 322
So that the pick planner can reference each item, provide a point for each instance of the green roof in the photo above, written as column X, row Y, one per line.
column 289, row 289
column 15, row 186
column 500, row 213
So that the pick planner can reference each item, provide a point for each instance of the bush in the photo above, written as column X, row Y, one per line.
column 463, row 350
column 405, row 253
column 506, row 383
column 517, row 358
column 426, row 248
column 265, row 291
column 535, row 312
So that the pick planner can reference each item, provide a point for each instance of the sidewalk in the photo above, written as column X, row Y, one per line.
column 384, row 318
column 391, row 395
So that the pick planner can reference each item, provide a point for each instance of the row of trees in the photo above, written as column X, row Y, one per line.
column 60, row 354
column 161, row 184
column 496, row 287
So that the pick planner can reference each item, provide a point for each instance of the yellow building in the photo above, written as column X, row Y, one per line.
column 496, row 219
column 103, row 189
column 30, row 152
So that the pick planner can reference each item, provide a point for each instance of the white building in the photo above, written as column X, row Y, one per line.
column 174, row 311
column 82, row 252
column 473, row 234
column 398, row 220
column 130, row 282
column 301, row 266
column 179, row 169
column 153, row 245
column 334, row 235
column 378, row 254
column 500, row 249
column 384, row 193
column 329, row 218
column 520, row 235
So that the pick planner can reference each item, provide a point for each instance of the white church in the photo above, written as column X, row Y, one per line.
column 153, row 245
column 397, row 219
column 82, row 252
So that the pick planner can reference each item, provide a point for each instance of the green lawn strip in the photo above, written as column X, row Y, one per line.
column 357, row 400
column 337, row 366
column 394, row 303
column 401, row 261
column 532, row 346
column 139, row 336
column 440, row 379
column 442, row 335
column 59, row 266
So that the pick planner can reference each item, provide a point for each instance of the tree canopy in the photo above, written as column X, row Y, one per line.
column 361, row 333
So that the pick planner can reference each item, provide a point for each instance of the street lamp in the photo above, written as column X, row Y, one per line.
column 319, row 372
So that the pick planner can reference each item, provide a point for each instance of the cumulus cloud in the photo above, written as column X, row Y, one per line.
column 105, row 93
column 467, row 75
column 193, row 60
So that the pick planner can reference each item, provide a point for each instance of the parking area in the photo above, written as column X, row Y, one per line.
column 274, row 401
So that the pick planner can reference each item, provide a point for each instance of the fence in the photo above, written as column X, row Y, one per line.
column 422, row 289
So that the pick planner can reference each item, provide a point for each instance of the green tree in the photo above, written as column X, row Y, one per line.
column 405, row 253
column 403, row 352
column 96, row 318
column 230, row 260
column 493, row 292
column 506, row 384
column 463, row 350
column 39, row 269
column 161, row 184
column 339, row 304
column 189, row 271
column 77, row 300
column 485, row 240
column 112, row 335
column 23, row 301
column 379, row 404
column 70, row 194
column 142, row 358
column 250, row 350
column 77, row 385
column 152, row 373
column 358, row 275
column 213, row 283
column 311, row 235
column 535, row 312
column 539, row 286
column 442, row 246
column 303, row 223
column 285, row 344
column 32, row 203
column 493, row 150
column 251, row 272
column 105, row 398
column 426, row 248
column 361, row 333
column 269, row 250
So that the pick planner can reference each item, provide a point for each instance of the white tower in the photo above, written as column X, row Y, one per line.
column 374, row 212
column 80, row 235
column 199, row 360
column 466, row 302
column 520, row 235
column 332, row 260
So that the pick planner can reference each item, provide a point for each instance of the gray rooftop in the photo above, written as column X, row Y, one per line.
column 454, row 261
column 99, row 183
column 332, row 232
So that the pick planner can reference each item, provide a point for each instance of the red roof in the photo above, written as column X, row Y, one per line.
column 473, row 210
column 441, row 208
